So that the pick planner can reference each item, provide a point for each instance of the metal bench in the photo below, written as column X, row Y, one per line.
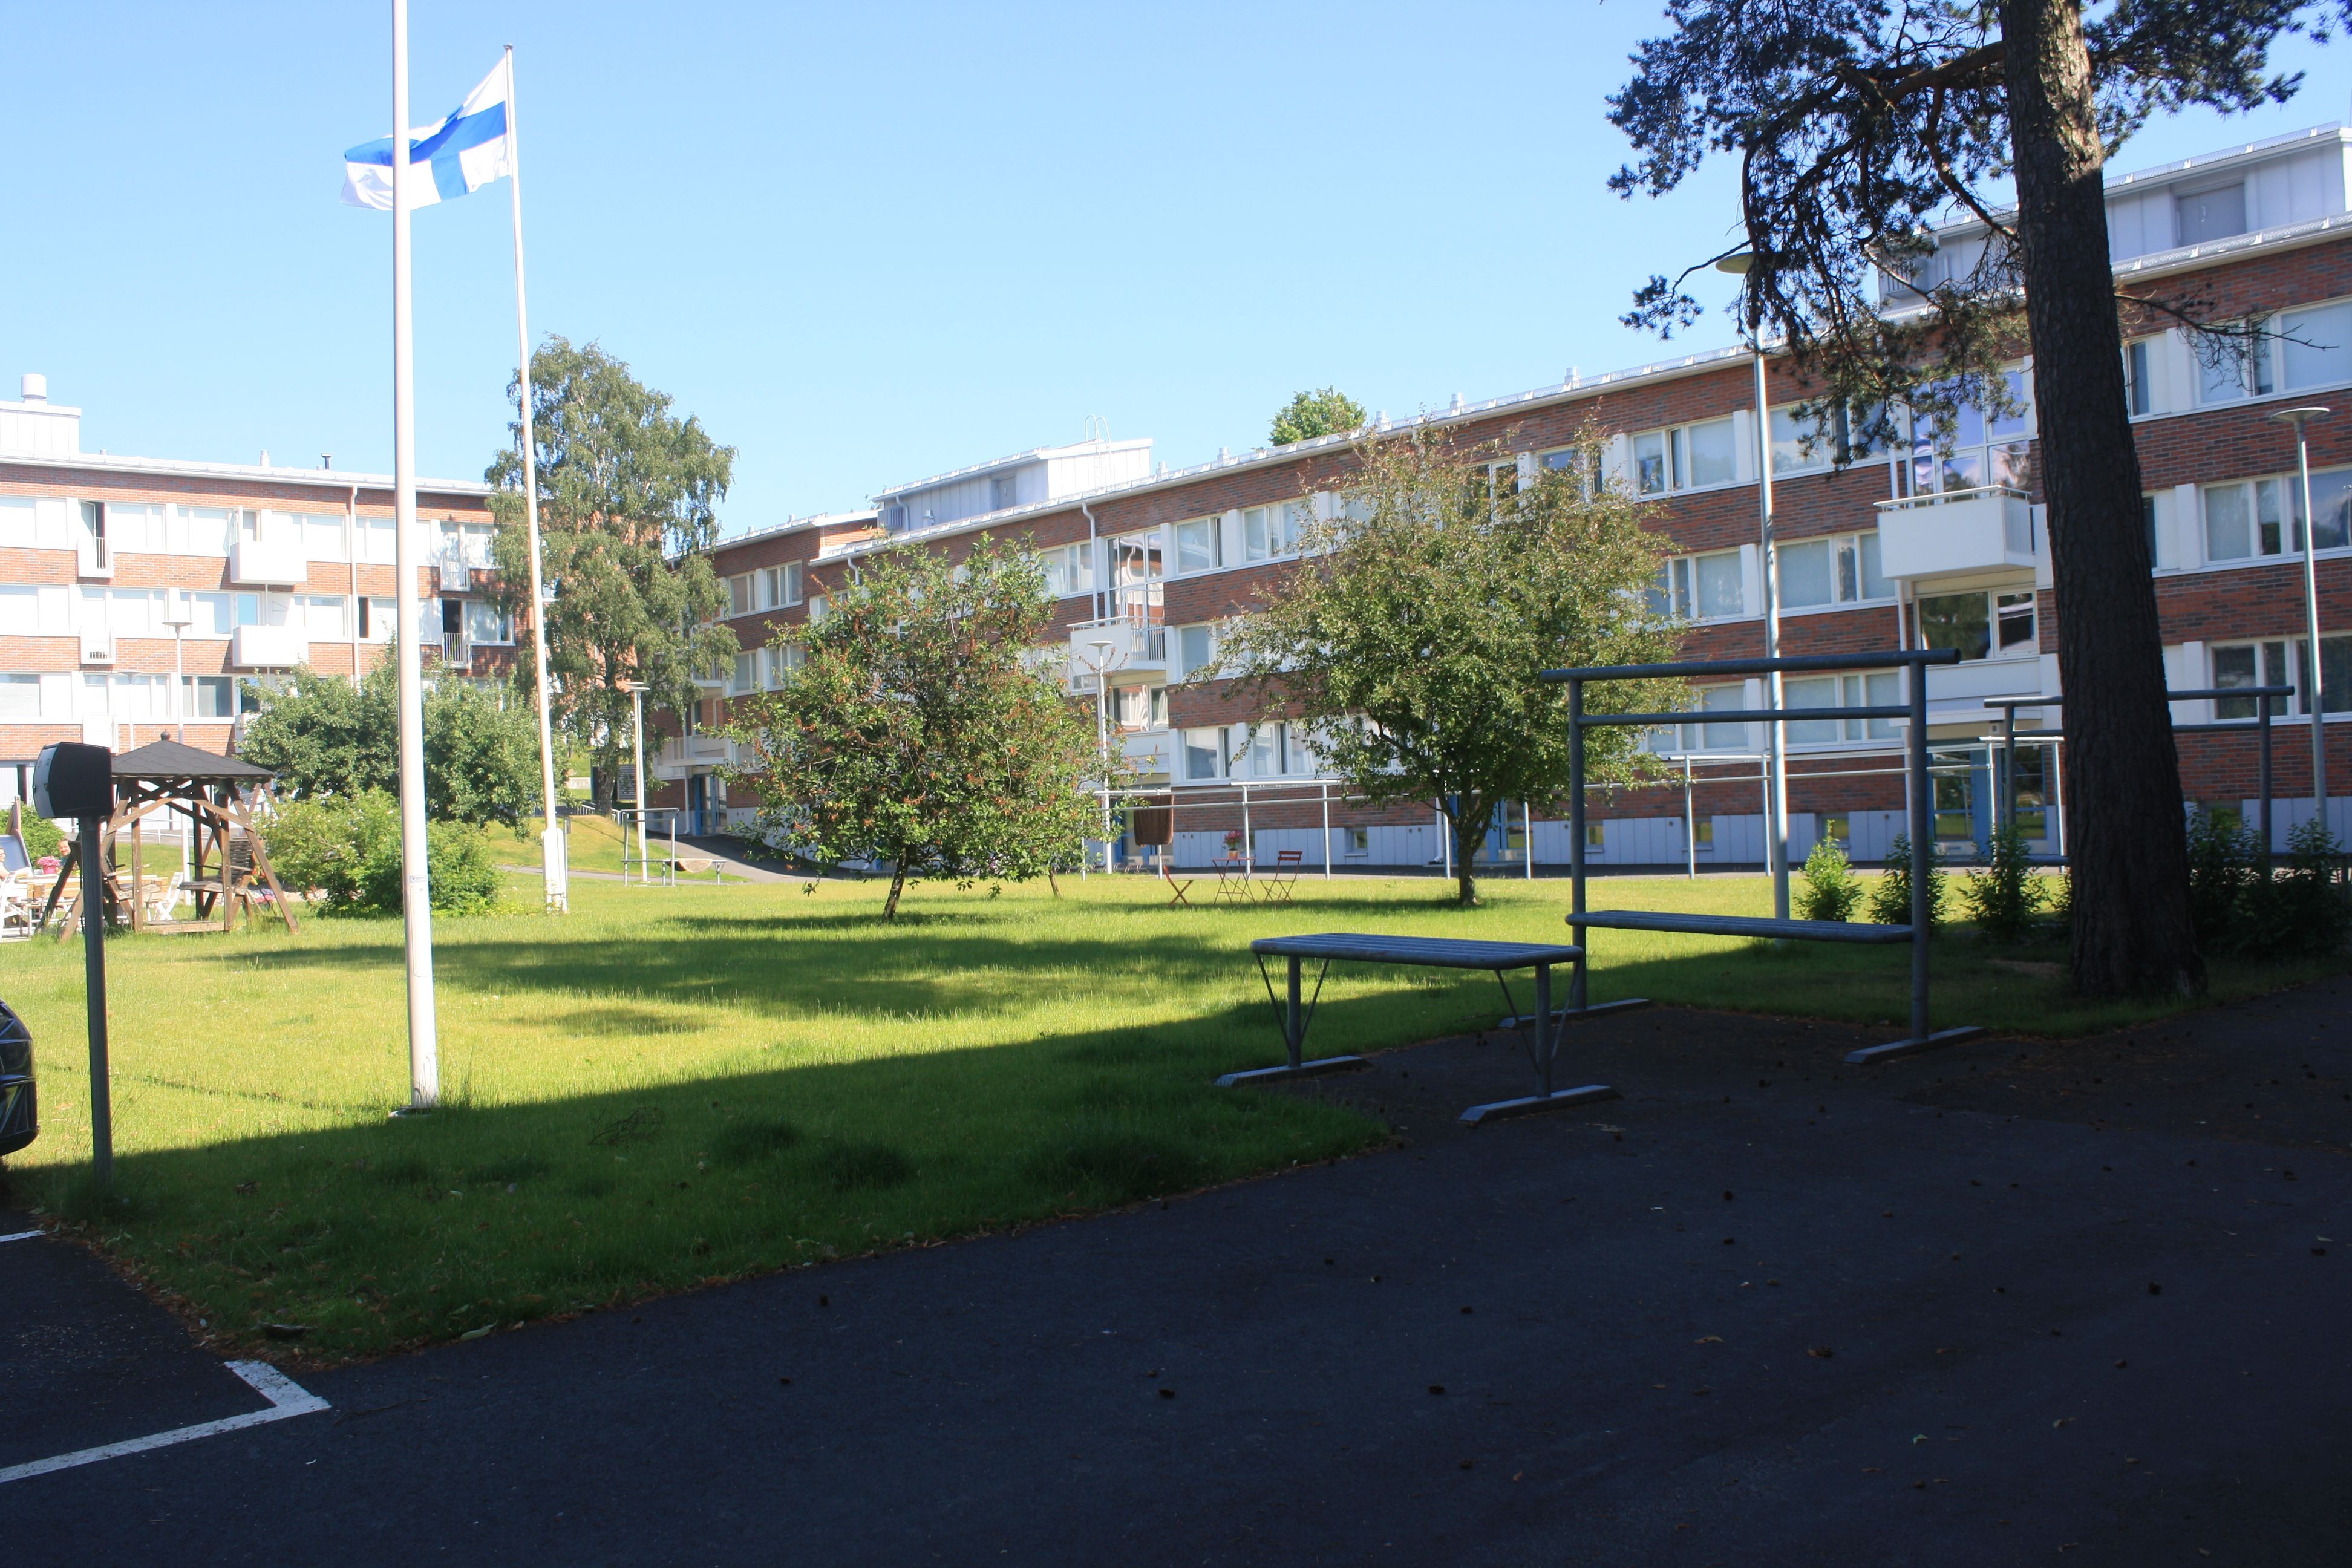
column 1913, row 711
column 1434, row 953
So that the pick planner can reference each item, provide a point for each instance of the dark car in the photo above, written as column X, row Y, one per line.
column 19, row 1124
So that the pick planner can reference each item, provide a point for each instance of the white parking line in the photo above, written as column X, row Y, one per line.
column 284, row 1395
column 23, row 1236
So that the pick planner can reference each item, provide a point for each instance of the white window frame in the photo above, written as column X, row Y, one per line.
column 1677, row 590
column 1673, row 454
column 1849, row 558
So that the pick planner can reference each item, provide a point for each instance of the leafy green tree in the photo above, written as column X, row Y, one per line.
column 344, row 851
column 1329, row 412
column 1414, row 635
column 914, row 732
column 1856, row 126
column 626, row 490
column 325, row 735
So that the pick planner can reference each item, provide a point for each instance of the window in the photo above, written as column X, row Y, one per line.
column 2235, row 361
column 2315, row 346
column 739, row 595
column 1973, row 449
column 2246, row 518
column 2250, row 664
column 779, row 586
column 1808, row 445
column 1137, row 707
column 1265, row 750
column 1199, row 544
column 1004, row 491
column 2138, row 392
column 2202, row 215
column 1840, row 570
column 1684, row 457
column 211, row 697
column 1360, row 840
column 1269, row 531
column 322, row 537
column 1196, row 650
column 1596, row 836
column 2335, row 674
column 492, row 624
column 1070, row 571
column 1586, row 463
column 1982, row 626
column 322, row 616
column 375, row 540
column 1838, row 830
column 817, row 606
column 1700, row 588
column 20, row 696
column 1205, row 754
column 1840, row 691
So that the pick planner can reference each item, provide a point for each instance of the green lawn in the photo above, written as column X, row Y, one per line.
column 594, row 845
column 678, row 1085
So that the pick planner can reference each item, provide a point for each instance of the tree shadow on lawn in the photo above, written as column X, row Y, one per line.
column 385, row 1232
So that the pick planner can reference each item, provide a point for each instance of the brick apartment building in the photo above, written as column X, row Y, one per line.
column 135, row 592
column 1900, row 547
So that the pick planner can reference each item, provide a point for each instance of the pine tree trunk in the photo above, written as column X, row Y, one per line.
column 2131, row 934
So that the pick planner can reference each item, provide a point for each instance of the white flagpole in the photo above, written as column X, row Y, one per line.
column 415, row 890
column 553, row 867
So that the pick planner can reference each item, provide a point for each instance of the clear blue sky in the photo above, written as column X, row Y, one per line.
column 863, row 244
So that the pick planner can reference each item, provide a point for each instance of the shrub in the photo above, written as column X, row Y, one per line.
column 42, row 837
column 2224, row 869
column 1831, row 889
column 344, row 850
column 2300, row 909
column 1890, row 901
column 2004, row 896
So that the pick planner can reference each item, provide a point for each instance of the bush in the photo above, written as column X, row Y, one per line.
column 2004, row 896
column 1890, row 901
column 2301, row 909
column 344, row 850
column 2224, row 866
column 1831, row 889
column 42, row 837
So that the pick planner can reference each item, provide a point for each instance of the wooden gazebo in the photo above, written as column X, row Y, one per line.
column 227, row 867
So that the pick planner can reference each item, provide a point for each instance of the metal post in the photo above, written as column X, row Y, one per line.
column 2315, row 690
column 1690, row 826
column 2058, row 793
column 1922, row 850
column 1528, row 834
column 1249, row 843
column 1776, row 762
column 1546, row 1037
column 1445, row 842
column 2262, row 779
column 638, row 720
column 2007, row 794
column 93, row 971
column 1323, row 787
column 1293, row 1030
column 1576, row 986
column 555, row 870
column 416, row 891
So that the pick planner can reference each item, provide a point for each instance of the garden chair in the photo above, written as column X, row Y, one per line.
column 1278, row 887
column 1175, row 888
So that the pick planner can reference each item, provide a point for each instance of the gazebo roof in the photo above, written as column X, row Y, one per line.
column 171, row 760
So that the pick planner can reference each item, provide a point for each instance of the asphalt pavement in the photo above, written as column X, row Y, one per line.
column 2009, row 1303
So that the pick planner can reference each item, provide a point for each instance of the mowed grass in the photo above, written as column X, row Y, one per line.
column 595, row 844
column 673, row 1086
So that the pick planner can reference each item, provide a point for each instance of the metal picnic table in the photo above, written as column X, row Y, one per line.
column 1497, row 958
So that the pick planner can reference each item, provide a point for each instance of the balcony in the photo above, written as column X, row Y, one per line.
column 457, row 650
column 1985, row 529
column 98, row 647
column 94, row 558
column 1150, row 752
column 267, row 563
column 1128, row 646
column 269, row 647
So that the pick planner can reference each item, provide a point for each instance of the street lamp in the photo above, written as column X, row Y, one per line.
column 636, row 692
column 2315, row 692
column 1776, row 768
column 1102, row 665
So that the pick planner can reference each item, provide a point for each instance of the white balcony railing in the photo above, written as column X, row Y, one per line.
column 269, row 647
column 1117, row 643
column 266, row 564
column 1979, row 530
column 94, row 558
column 1150, row 752
column 457, row 650
column 98, row 647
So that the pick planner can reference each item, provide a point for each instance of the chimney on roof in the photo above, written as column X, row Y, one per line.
column 325, row 460
column 1458, row 403
column 36, row 387
column 265, row 456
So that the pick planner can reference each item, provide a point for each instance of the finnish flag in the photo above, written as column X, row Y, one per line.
column 467, row 149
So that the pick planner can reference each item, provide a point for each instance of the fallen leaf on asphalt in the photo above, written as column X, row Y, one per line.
column 478, row 1333
column 1708, row 1340
column 1821, row 1353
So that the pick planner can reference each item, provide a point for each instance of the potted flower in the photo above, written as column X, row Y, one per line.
column 1232, row 842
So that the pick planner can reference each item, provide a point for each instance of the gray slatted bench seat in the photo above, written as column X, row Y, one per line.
column 1422, row 952
column 1741, row 925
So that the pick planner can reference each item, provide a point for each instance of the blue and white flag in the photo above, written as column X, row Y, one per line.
column 467, row 149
